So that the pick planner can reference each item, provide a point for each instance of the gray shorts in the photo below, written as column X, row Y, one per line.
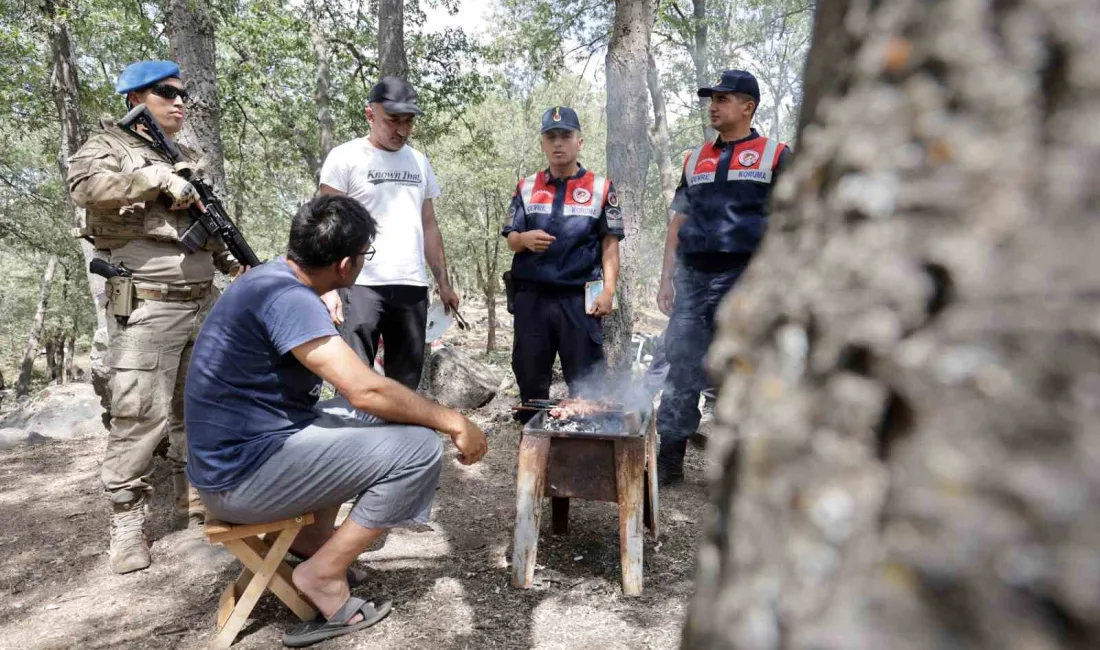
column 391, row 469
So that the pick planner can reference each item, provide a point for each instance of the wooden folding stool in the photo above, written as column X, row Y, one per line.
column 264, row 568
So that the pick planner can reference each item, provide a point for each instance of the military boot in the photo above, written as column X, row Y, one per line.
column 670, row 462
column 186, row 502
column 129, row 548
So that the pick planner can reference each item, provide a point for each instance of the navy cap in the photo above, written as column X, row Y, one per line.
column 734, row 81
column 560, row 117
column 395, row 95
column 144, row 74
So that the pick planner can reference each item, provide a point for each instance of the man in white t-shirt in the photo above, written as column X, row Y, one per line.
column 397, row 185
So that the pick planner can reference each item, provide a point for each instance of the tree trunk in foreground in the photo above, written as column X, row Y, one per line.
column 911, row 399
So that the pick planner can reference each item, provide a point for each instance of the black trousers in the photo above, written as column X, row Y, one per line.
column 399, row 314
column 549, row 323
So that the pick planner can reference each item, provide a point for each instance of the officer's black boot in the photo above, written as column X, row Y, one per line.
column 670, row 462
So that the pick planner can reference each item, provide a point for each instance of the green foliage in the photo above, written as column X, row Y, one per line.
column 482, row 108
column 774, row 38
column 538, row 37
column 270, row 131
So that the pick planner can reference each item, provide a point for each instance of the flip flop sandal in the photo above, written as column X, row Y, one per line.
column 319, row 629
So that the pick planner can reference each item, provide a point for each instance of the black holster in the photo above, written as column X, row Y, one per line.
column 510, row 291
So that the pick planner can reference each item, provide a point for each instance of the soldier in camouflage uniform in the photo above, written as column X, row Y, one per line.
column 137, row 211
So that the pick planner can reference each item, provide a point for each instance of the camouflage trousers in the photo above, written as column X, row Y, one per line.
column 148, row 358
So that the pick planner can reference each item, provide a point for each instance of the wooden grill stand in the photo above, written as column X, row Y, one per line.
column 264, row 568
column 618, row 468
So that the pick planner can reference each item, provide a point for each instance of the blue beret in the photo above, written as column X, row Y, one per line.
column 145, row 73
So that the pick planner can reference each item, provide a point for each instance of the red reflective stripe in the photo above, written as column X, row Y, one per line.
column 778, row 153
column 527, row 189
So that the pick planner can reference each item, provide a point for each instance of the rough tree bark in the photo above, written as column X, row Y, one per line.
column 53, row 368
column 628, row 155
column 667, row 171
column 321, row 89
column 68, row 356
column 391, row 39
column 907, row 456
column 488, row 267
column 65, row 89
column 699, row 55
column 190, row 29
column 322, row 82
column 23, row 384
column 491, row 309
column 487, row 283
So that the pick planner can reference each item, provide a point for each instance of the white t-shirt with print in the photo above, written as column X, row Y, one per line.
column 393, row 186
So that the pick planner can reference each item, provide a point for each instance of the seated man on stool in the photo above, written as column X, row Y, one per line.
column 261, row 450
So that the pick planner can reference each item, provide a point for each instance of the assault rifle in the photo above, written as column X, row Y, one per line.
column 210, row 218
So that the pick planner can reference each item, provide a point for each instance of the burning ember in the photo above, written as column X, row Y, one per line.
column 581, row 416
column 585, row 416
column 602, row 423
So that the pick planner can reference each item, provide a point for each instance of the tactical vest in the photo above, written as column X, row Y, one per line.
column 727, row 187
column 576, row 255
column 112, row 228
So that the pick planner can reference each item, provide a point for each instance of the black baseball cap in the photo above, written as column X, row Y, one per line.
column 395, row 95
column 560, row 117
column 734, row 81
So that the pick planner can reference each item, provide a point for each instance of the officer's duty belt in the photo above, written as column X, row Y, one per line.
column 170, row 292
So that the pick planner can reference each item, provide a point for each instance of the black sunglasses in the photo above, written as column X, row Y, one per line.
column 169, row 92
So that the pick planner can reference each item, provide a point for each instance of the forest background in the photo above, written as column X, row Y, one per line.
column 291, row 82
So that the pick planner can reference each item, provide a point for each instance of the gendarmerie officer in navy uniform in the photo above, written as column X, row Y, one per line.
column 564, row 224
column 720, row 215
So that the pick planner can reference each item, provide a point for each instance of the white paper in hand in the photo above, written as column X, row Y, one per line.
column 438, row 322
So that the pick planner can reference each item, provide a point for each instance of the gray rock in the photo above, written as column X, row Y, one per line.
column 460, row 382
column 57, row 412
column 9, row 437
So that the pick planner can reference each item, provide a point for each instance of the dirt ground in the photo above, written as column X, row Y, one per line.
column 449, row 581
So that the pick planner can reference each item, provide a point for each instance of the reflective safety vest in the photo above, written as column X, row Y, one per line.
column 578, row 211
column 724, row 194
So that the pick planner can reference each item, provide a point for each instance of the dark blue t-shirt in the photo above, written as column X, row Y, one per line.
column 246, row 392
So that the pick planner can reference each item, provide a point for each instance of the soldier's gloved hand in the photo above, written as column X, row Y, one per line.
column 178, row 190
column 188, row 169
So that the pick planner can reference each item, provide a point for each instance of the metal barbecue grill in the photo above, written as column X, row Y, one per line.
column 595, row 450
column 610, row 421
column 607, row 424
